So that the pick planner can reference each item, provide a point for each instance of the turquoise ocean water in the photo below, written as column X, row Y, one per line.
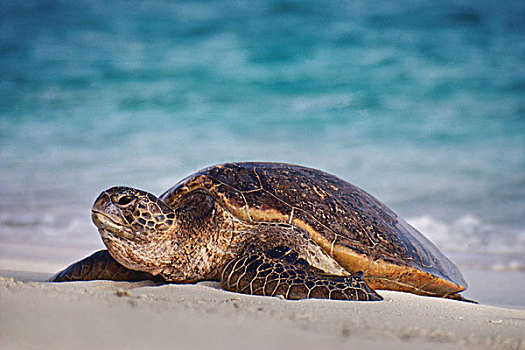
column 421, row 104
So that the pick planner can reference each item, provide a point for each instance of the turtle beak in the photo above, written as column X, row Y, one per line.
column 104, row 213
column 101, row 202
column 105, row 205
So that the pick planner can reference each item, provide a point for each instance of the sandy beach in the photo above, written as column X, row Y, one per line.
column 101, row 314
column 419, row 103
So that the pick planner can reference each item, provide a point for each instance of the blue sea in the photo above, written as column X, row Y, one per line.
column 420, row 103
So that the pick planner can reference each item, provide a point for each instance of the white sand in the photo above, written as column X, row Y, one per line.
column 104, row 314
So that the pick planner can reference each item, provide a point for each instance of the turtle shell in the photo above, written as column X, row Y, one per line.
column 350, row 225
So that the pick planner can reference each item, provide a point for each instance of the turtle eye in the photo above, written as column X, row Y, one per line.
column 124, row 200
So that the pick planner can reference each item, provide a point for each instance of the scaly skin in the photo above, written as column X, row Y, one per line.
column 281, row 271
column 227, row 222
column 187, row 248
column 101, row 266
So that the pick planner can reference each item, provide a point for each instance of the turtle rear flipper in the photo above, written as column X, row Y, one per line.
column 281, row 272
column 457, row 296
column 100, row 266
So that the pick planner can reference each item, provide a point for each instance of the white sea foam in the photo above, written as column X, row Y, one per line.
column 474, row 244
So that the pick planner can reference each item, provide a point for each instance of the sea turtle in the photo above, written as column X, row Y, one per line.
column 265, row 229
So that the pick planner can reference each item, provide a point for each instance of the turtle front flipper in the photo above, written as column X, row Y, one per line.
column 100, row 266
column 281, row 272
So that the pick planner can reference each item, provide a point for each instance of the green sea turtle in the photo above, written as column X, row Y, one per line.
column 265, row 229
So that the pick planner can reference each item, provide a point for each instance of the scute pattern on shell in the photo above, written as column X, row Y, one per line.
column 337, row 211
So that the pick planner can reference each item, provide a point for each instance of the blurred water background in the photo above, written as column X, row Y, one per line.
column 420, row 103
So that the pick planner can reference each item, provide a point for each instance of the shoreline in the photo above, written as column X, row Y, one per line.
column 84, row 315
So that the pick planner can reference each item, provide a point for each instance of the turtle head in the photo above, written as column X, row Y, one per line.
column 136, row 227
